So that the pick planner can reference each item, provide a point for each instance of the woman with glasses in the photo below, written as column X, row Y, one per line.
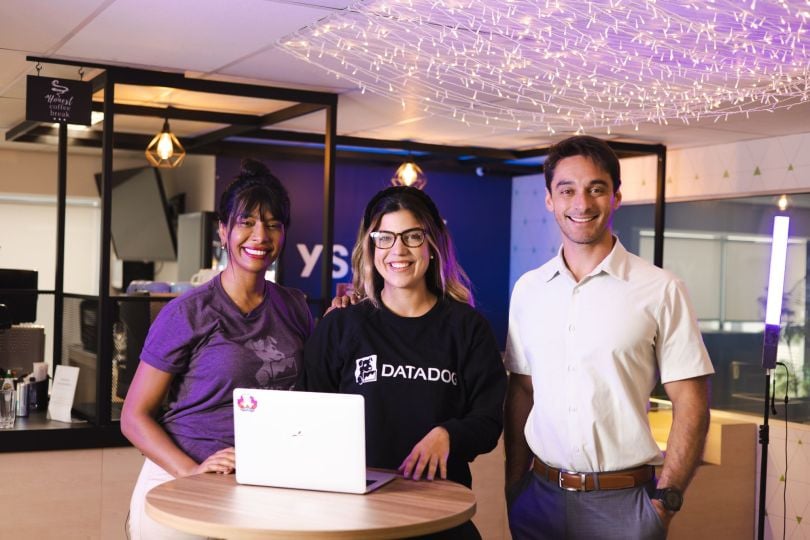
column 426, row 362
column 236, row 330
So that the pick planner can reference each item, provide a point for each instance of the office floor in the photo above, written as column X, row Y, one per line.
column 69, row 494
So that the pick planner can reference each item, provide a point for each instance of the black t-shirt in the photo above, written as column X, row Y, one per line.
column 443, row 368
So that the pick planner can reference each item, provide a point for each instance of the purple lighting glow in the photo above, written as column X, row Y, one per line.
column 776, row 278
column 776, row 284
column 566, row 65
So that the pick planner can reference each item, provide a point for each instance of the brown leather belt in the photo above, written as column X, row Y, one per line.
column 575, row 481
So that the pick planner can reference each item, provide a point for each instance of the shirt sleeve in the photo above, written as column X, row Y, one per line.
column 515, row 358
column 169, row 343
column 322, row 359
column 484, row 380
column 679, row 345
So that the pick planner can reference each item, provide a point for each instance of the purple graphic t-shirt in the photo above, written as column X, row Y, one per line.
column 211, row 347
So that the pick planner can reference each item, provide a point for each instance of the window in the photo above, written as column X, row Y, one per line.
column 721, row 249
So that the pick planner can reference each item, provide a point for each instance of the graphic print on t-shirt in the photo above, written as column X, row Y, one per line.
column 366, row 369
column 276, row 365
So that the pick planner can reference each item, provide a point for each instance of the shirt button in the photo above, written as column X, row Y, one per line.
column 571, row 368
column 572, row 409
column 571, row 327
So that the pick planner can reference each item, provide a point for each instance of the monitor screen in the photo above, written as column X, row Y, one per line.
column 21, row 307
column 140, row 222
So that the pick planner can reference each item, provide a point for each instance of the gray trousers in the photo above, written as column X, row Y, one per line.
column 539, row 510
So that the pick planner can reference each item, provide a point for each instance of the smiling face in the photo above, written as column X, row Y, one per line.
column 400, row 266
column 253, row 242
column 583, row 201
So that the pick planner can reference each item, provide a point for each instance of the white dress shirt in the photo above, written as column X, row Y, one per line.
column 595, row 350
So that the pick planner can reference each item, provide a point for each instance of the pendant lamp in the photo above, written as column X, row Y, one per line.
column 409, row 174
column 165, row 151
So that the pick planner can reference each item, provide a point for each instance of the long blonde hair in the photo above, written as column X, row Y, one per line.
column 444, row 277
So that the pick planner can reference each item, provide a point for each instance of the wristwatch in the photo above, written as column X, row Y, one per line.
column 671, row 498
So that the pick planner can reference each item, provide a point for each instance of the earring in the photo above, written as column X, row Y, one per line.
column 431, row 257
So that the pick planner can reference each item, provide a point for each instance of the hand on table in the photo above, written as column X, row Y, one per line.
column 428, row 455
column 222, row 462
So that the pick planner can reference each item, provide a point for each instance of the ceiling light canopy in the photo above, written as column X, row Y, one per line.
column 569, row 65
column 165, row 151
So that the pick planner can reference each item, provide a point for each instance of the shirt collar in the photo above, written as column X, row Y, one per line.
column 555, row 267
column 616, row 264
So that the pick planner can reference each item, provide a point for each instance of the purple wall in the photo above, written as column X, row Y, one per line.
column 477, row 211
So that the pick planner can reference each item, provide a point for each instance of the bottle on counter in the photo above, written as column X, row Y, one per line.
column 37, row 394
column 22, row 398
column 8, row 380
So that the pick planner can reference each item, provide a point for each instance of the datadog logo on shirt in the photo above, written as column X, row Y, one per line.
column 365, row 369
column 247, row 405
column 430, row 374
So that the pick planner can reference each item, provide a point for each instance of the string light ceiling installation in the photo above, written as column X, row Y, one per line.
column 569, row 64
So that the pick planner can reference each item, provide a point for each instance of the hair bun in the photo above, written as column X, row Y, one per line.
column 251, row 168
column 254, row 186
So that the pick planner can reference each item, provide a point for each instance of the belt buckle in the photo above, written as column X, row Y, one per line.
column 582, row 478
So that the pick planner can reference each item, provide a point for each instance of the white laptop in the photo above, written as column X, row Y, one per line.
column 304, row 440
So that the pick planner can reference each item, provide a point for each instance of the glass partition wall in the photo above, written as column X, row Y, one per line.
column 721, row 250
column 133, row 315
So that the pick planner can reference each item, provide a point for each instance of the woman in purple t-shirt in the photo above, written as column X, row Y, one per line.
column 236, row 330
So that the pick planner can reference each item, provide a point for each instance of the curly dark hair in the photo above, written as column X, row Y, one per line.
column 255, row 187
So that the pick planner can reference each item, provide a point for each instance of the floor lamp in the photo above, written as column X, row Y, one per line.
column 773, row 312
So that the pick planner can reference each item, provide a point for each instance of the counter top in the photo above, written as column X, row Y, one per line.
column 36, row 432
column 725, row 432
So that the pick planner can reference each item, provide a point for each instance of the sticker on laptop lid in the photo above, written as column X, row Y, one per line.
column 247, row 403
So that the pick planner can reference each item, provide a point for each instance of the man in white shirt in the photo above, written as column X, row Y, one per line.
column 590, row 333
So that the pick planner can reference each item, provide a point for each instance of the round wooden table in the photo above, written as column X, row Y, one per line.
column 215, row 505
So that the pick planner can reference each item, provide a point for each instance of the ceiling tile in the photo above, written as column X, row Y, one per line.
column 281, row 68
column 12, row 112
column 12, row 66
column 186, row 34
column 334, row 4
column 35, row 26
column 360, row 114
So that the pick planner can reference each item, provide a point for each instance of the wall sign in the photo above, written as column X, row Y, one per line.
column 58, row 100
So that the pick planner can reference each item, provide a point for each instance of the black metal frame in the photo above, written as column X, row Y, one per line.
column 305, row 102
column 249, row 131
column 280, row 144
column 244, row 133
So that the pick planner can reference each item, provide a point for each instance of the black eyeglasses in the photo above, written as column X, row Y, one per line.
column 386, row 239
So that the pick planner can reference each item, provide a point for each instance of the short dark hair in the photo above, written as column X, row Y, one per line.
column 254, row 188
column 583, row 145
